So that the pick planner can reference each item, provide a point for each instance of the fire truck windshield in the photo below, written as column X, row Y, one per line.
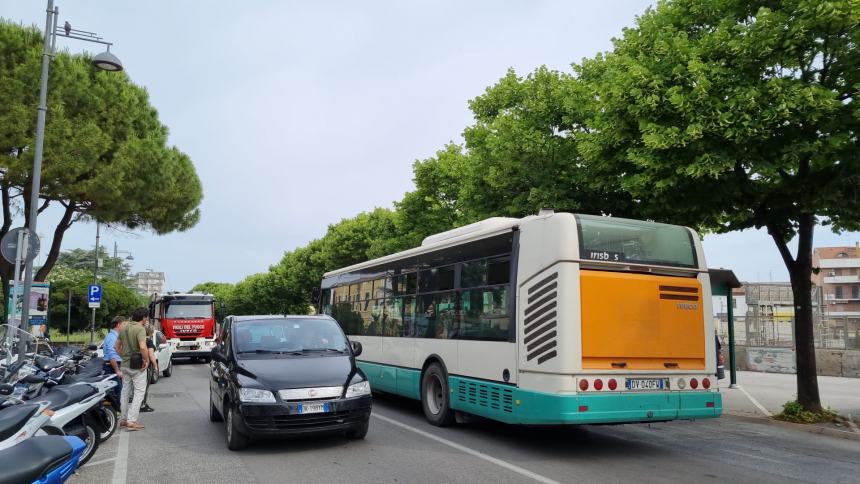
column 189, row 310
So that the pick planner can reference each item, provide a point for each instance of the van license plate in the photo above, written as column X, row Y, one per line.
column 646, row 383
column 313, row 408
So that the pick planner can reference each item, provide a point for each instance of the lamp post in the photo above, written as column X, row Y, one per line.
column 105, row 61
column 117, row 263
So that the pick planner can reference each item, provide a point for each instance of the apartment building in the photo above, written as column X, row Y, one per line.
column 149, row 282
column 839, row 279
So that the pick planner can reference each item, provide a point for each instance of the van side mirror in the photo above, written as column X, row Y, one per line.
column 315, row 296
column 356, row 348
column 6, row 389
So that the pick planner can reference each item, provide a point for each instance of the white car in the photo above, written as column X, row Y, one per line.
column 163, row 355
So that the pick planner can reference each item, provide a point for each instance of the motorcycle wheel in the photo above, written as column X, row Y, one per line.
column 89, row 435
column 113, row 423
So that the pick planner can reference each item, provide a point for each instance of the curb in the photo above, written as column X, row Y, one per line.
column 812, row 429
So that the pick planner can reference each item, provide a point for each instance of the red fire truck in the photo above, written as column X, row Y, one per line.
column 188, row 322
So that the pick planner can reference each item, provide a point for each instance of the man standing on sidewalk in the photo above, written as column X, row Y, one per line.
column 132, row 348
column 112, row 358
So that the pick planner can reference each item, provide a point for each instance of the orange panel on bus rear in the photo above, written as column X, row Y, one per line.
column 641, row 322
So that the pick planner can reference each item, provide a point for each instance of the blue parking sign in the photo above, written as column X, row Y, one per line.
column 94, row 293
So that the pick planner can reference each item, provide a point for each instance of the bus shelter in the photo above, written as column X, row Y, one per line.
column 722, row 283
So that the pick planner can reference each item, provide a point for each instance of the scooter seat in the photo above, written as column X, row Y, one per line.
column 47, row 364
column 62, row 396
column 69, row 379
column 33, row 458
column 13, row 418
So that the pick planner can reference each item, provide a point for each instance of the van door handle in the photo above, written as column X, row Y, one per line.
column 670, row 365
column 619, row 364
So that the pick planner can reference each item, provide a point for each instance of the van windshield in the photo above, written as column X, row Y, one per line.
column 289, row 335
column 623, row 240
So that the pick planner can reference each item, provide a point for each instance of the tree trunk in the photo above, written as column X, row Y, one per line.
column 57, row 241
column 800, row 273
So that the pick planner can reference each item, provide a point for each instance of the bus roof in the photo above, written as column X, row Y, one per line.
column 478, row 230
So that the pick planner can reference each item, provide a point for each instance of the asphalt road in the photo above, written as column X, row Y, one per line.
column 179, row 444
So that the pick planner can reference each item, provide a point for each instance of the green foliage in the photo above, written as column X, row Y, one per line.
column 793, row 411
column 106, row 155
column 83, row 259
column 73, row 272
column 523, row 151
column 221, row 291
column 117, row 299
column 727, row 115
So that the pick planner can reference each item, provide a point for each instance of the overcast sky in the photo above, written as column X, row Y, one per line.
column 300, row 114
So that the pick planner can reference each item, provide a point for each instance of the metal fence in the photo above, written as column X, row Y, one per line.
column 778, row 332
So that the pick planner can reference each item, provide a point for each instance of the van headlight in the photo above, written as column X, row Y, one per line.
column 256, row 396
column 358, row 389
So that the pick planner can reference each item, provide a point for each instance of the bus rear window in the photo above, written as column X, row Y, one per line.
column 622, row 240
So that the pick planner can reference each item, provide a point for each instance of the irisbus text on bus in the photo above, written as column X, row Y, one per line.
column 187, row 321
column 550, row 319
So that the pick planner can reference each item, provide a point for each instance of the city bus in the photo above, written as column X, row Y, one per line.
column 550, row 319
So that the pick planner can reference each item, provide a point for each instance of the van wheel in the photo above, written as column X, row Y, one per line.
column 167, row 371
column 435, row 396
column 360, row 431
column 236, row 440
column 214, row 414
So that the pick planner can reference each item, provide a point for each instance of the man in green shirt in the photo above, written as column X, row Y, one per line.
column 131, row 345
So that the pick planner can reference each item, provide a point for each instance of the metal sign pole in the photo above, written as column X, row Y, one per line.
column 69, row 317
column 95, row 281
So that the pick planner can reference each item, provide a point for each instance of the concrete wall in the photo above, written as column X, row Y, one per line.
column 782, row 360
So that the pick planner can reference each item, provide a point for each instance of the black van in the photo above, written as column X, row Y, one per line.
column 286, row 375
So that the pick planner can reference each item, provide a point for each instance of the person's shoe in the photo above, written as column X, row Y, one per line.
column 146, row 408
column 132, row 426
column 123, row 424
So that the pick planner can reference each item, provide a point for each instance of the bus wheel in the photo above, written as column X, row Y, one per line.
column 435, row 396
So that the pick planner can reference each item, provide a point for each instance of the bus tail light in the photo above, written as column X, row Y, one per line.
column 598, row 384
column 583, row 408
column 706, row 383
column 709, row 404
column 583, row 384
column 681, row 384
column 613, row 384
column 694, row 383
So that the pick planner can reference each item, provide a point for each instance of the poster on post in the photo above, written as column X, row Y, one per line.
column 39, row 303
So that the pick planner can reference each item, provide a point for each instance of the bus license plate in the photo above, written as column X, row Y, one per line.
column 646, row 383
column 313, row 408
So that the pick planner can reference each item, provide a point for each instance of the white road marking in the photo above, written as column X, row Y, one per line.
column 120, row 466
column 755, row 402
column 100, row 462
column 475, row 453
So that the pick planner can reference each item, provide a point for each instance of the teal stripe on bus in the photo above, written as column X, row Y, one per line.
column 515, row 405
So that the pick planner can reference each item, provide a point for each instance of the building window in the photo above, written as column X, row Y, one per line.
column 855, row 292
column 838, row 292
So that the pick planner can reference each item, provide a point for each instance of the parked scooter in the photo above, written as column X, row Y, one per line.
column 87, row 373
column 41, row 460
column 21, row 422
column 77, row 408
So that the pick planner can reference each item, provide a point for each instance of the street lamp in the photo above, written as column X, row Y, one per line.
column 106, row 61
column 116, row 260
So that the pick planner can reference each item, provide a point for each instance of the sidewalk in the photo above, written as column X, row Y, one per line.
column 771, row 390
